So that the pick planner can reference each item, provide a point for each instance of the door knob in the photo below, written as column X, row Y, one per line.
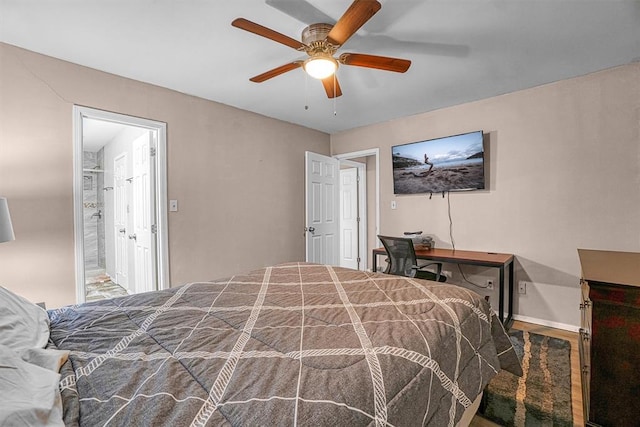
column 123, row 230
column 132, row 237
column 311, row 230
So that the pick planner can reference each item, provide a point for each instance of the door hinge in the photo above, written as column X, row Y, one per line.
column 358, row 260
column 152, row 151
column 154, row 228
column 358, row 220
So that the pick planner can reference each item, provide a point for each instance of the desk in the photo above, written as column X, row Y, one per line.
column 483, row 259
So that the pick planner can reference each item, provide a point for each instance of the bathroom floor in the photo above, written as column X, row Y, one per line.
column 99, row 286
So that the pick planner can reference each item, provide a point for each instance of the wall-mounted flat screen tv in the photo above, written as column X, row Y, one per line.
column 452, row 163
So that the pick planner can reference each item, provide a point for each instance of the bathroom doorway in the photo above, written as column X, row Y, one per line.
column 120, row 204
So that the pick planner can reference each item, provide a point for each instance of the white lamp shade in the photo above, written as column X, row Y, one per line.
column 320, row 67
column 6, row 230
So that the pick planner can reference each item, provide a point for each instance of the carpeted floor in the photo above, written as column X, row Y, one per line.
column 542, row 396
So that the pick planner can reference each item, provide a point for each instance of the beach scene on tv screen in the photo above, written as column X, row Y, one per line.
column 445, row 164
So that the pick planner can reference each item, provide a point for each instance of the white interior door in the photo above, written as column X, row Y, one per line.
column 143, row 237
column 120, row 220
column 322, row 209
column 349, row 219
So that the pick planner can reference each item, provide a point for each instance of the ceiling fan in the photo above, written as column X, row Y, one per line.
column 320, row 41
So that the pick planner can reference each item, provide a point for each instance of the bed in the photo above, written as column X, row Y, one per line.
column 291, row 344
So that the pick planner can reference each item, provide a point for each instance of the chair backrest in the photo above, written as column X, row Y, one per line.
column 402, row 256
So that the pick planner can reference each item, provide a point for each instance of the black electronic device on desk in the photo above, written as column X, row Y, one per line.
column 420, row 241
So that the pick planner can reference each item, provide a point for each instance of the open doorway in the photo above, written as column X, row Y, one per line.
column 119, row 204
column 325, row 232
column 369, row 201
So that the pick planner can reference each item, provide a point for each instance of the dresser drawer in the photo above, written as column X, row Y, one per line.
column 614, row 378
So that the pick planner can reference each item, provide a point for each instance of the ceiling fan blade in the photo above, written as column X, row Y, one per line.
column 276, row 72
column 373, row 61
column 328, row 86
column 258, row 29
column 355, row 17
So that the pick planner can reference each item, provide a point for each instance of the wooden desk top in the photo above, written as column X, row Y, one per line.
column 454, row 256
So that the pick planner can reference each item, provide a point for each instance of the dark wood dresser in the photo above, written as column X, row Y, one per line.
column 610, row 337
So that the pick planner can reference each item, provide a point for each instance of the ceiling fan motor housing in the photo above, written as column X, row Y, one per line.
column 315, row 34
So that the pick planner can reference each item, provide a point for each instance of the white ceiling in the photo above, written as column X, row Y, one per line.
column 97, row 133
column 461, row 50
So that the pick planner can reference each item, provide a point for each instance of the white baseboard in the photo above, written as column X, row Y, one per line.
column 548, row 323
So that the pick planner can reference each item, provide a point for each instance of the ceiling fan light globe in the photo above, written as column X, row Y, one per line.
column 320, row 67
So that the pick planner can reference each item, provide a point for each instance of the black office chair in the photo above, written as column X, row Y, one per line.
column 402, row 260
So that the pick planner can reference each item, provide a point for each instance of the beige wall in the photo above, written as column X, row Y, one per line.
column 564, row 173
column 238, row 176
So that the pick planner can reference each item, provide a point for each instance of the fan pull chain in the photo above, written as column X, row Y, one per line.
column 306, row 91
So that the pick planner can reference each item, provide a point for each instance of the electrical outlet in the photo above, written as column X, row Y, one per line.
column 393, row 204
column 522, row 287
column 490, row 284
column 447, row 274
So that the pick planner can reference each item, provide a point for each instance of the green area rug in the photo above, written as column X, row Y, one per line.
column 542, row 396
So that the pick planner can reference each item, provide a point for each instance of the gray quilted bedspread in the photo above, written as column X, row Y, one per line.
column 294, row 344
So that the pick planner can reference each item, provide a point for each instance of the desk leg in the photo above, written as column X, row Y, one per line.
column 501, row 296
column 509, row 320
column 375, row 262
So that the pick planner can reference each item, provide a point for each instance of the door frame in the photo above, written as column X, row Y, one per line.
column 366, row 153
column 162, row 236
column 362, row 211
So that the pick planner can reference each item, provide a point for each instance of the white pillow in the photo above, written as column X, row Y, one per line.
column 29, row 394
column 48, row 358
column 23, row 325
